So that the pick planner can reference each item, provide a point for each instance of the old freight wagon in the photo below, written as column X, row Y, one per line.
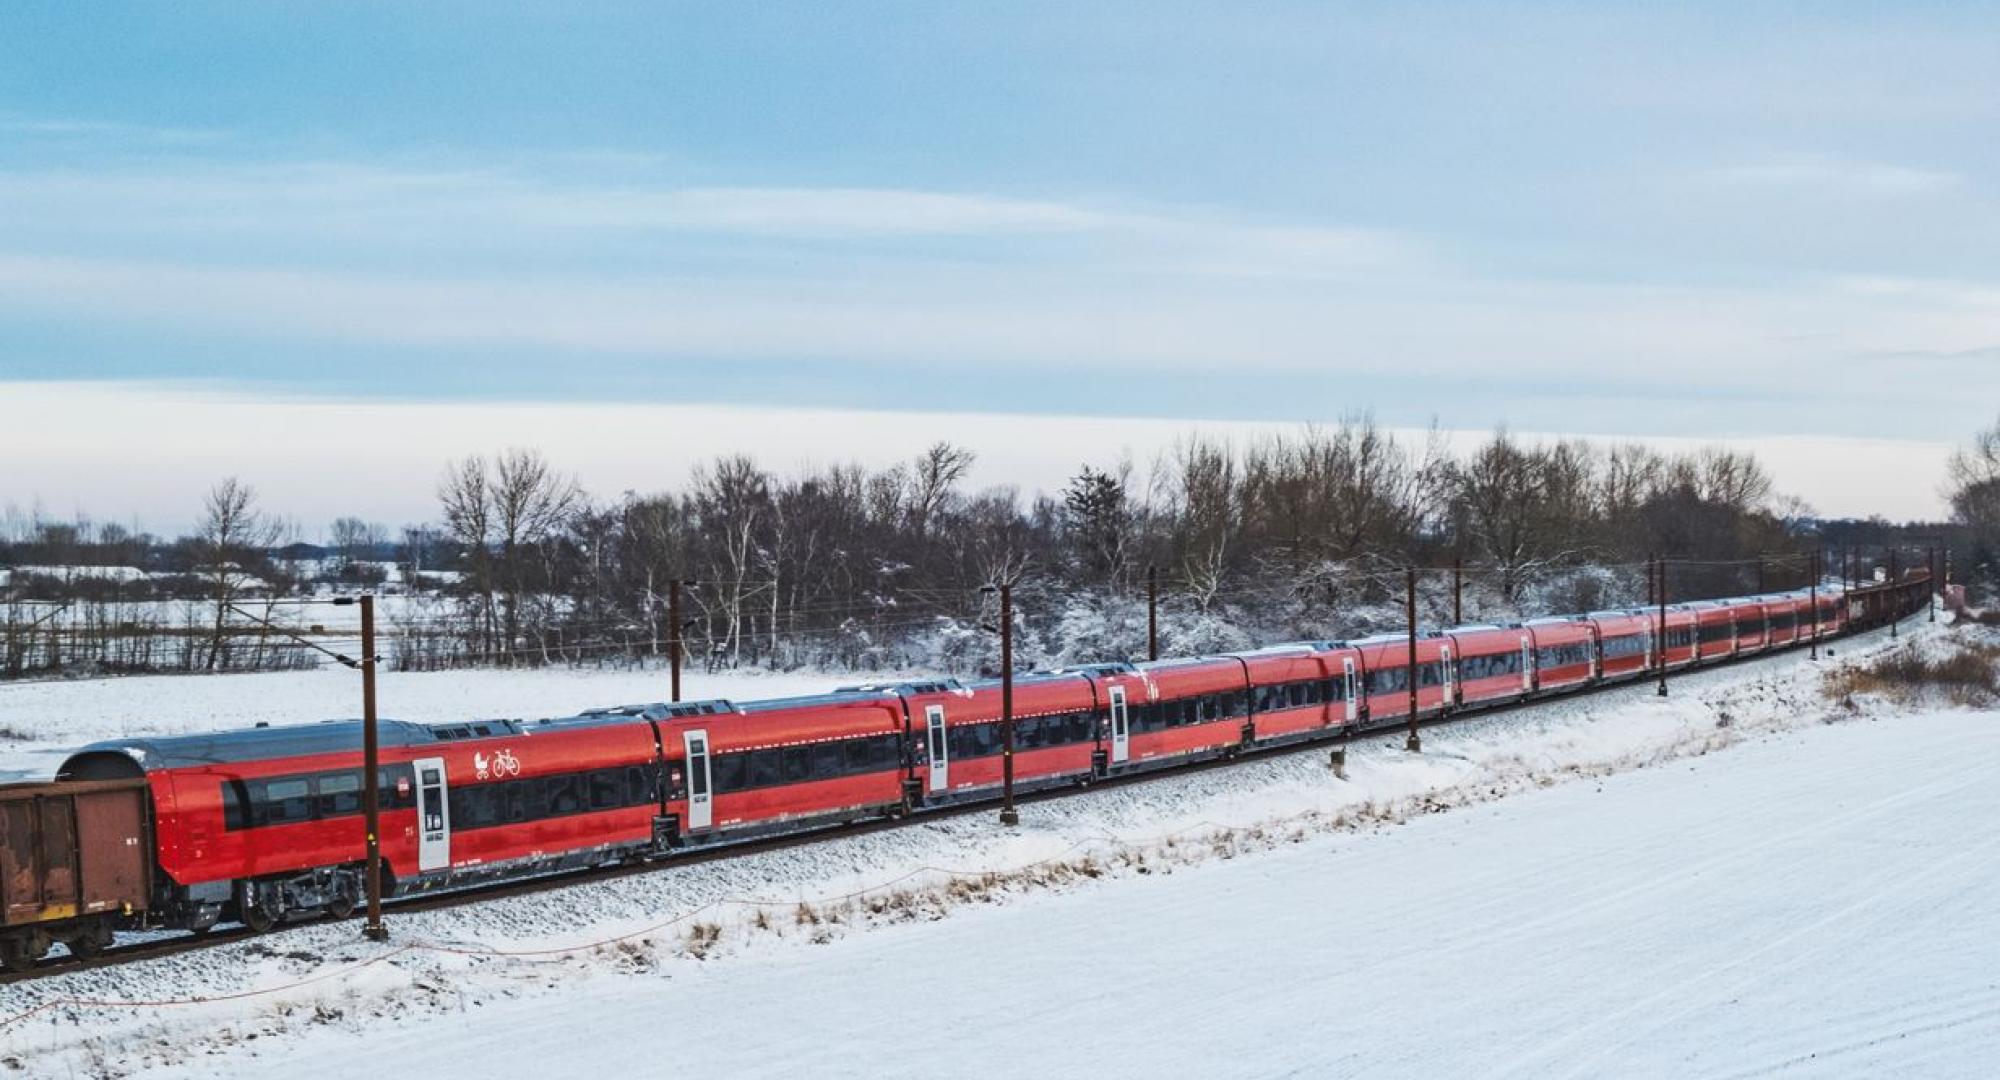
column 75, row 864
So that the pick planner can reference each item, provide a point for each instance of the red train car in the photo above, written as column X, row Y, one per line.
column 1715, row 630
column 1675, row 638
column 1301, row 690
column 1625, row 645
column 1753, row 617
column 1494, row 663
column 1198, row 706
column 1565, row 653
column 781, row 765
column 1385, row 674
column 1781, row 621
column 957, row 734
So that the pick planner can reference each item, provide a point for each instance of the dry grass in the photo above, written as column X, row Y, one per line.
column 1964, row 677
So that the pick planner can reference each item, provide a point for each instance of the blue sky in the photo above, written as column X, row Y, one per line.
column 1714, row 219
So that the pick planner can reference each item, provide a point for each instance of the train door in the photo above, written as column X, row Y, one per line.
column 701, row 807
column 433, row 815
column 940, row 759
column 1121, row 726
column 1527, row 663
column 1350, row 687
column 1450, row 676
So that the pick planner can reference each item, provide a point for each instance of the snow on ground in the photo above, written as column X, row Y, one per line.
column 1809, row 903
column 41, row 721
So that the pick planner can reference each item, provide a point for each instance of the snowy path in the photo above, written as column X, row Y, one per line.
column 1824, row 902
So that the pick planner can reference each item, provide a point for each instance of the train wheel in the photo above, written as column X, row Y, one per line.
column 17, row 954
column 259, row 919
column 92, row 942
column 342, row 903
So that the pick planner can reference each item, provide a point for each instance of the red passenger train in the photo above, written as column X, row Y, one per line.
column 265, row 825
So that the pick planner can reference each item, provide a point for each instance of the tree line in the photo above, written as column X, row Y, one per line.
column 1299, row 535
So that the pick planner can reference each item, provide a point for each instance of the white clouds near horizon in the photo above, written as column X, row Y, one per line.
column 71, row 449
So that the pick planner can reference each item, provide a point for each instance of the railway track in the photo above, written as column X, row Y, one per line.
column 169, row 943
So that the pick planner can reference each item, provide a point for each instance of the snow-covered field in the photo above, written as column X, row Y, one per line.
column 1608, row 896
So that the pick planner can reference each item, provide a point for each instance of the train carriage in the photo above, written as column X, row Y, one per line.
column 957, row 734
column 1301, row 690
column 1196, row 706
column 1676, row 634
column 1386, row 676
column 1753, row 617
column 76, row 866
column 1625, row 644
column 780, row 765
column 1784, row 613
column 1494, row 663
column 1565, row 653
column 1715, row 630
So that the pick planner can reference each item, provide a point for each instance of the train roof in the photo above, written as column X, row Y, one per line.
column 664, row 710
column 905, row 686
column 256, row 744
column 266, row 743
column 835, row 700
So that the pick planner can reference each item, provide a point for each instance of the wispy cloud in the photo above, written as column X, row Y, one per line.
column 107, row 132
column 1834, row 175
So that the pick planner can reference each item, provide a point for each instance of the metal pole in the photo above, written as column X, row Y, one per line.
column 1931, row 586
column 674, row 633
column 1413, row 744
column 1008, row 815
column 371, row 776
column 1152, row 613
column 1458, row 592
column 1652, row 581
column 1660, row 592
column 1895, row 601
column 1812, row 567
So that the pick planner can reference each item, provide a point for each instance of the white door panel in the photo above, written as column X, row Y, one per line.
column 701, row 798
column 940, row 751
column 433, row 815
column 1121, row 726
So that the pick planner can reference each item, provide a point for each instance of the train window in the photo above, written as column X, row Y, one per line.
column 796, row 762
column 607, row 790
column 827, row 761
column 339, row 793
column 566, row 794
column 857, row 754
column 284, row 802
column 766, row 768
column 731, row 772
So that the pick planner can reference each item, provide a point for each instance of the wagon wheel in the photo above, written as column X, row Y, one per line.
column 341, row 904
column 16, row 954
column 92, row 942
column 259, row 918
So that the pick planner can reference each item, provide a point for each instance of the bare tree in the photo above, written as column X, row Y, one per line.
column 230, row 540
column 531, row 504
column 937, row 470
